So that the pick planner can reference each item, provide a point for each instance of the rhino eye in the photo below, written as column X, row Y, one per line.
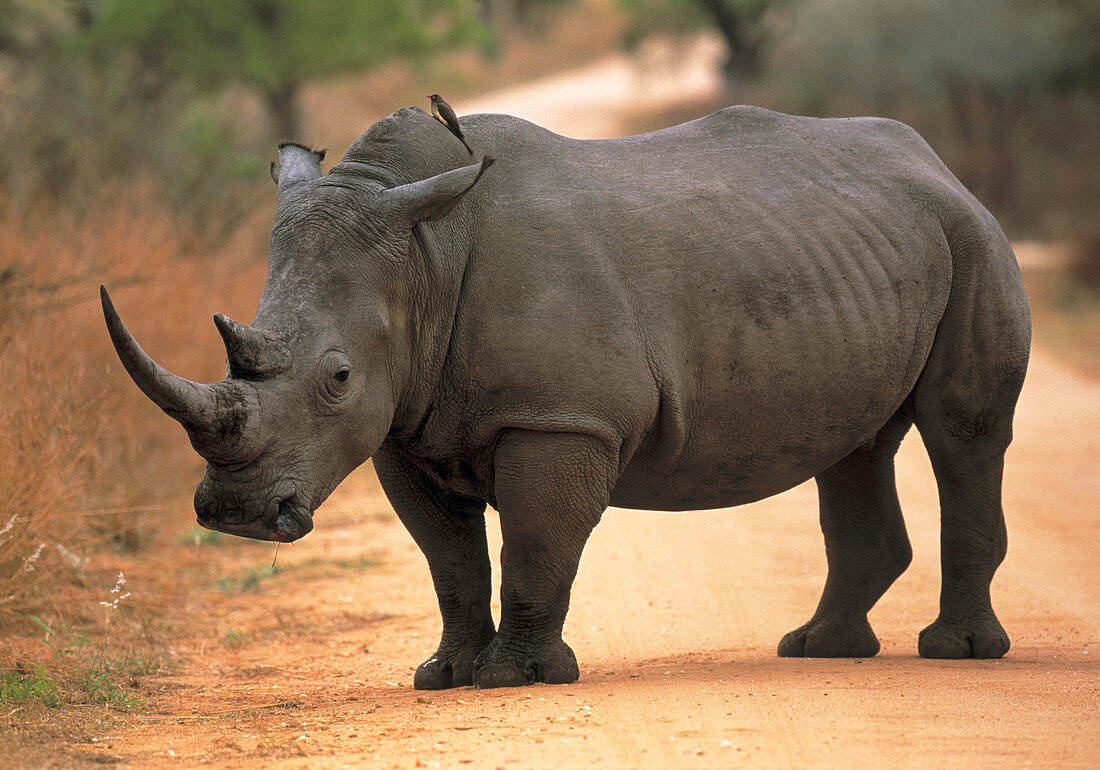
column 339, row 379
column 334, row 374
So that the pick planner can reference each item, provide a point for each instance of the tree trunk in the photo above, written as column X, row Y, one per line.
column 282, row 110
column 743, row 60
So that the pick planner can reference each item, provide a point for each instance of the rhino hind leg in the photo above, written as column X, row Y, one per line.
column 866, row 547
column 966, row 442
column 963, row 406
column 550, row 489
column 973, row 538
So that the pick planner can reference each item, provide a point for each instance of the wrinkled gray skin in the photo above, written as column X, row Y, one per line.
column 699, row 317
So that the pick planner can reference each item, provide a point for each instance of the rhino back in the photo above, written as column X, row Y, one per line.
column 735, row 303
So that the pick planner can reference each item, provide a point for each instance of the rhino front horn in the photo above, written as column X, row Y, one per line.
column 192, row 404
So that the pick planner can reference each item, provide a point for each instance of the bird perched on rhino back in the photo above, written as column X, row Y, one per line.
column 443, row 112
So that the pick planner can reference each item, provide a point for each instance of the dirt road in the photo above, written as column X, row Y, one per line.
column 601, row 99
column 675, row 619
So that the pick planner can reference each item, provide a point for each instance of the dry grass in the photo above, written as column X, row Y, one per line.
column 82, row 487
column 94, row 479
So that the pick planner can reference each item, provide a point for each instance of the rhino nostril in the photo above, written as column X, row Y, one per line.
column 206, row 506
column 293, row 518
column 284, row 522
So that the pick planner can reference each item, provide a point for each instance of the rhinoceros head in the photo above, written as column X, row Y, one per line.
column 314, row 382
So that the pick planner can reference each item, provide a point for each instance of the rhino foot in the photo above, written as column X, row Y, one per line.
column 830, row 638
column 549, row 664
column 443, row 671
column 981, row 639
column 436, row 674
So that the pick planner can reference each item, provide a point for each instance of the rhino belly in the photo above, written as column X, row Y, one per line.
column 736, row 458
column 764, row 409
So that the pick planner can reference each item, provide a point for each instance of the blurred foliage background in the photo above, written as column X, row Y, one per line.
column 135, row 141
column 192, row 93
column 1008, row 92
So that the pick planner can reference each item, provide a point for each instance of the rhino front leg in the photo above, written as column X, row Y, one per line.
column 551, row 489
column 450, row 530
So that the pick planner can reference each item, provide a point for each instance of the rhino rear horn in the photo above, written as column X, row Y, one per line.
column 433, row 198
column 252, row 353
column 297, row 163
column 192, row 404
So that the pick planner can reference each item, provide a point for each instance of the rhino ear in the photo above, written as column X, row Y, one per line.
column 433, row 198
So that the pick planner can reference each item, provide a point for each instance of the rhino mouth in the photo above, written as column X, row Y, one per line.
column 283, row 521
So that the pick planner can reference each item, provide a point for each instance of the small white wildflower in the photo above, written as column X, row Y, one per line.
column 116, row 593
column 8, row 526
column 28, row 565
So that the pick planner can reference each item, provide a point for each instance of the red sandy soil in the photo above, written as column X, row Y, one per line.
column 674, row 619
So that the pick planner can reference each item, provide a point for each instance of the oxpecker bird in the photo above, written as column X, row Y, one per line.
column 442, row 112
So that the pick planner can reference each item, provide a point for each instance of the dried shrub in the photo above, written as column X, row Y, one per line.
column 83, row 459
